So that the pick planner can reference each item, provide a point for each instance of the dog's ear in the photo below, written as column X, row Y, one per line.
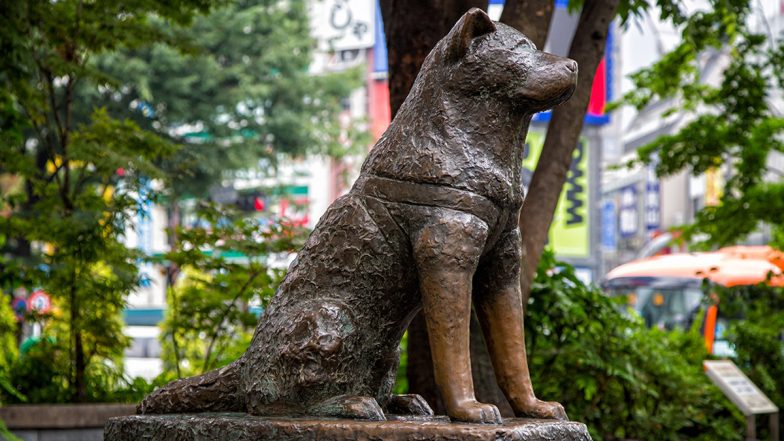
column 472, row 24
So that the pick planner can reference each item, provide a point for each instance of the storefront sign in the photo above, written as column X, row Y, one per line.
column 569, row 232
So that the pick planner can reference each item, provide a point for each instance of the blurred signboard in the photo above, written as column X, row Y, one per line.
column 19, row 305
column 570, row 230
column 652, row 201
column 628, row 219
column 609, row 226
column 380, row 65
column 341, row 25
column 39, row 302
column 738, row 388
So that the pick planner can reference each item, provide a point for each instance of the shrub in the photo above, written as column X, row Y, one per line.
column 612, row 373
column 757, row 335
column 8, row 351
column 225, row 269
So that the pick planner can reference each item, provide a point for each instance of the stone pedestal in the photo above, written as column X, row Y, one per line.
column 243, row 427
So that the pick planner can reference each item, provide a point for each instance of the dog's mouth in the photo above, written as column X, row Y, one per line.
column 552, row 83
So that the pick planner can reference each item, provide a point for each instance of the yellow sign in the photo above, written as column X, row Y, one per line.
column 714, row 186
column 570, row 230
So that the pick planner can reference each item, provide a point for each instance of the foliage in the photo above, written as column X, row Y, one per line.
column 633, row 10
column 401, row 380
column 84, row 174
column 8, row 351
column 235, row 88
column 6, row 434
column 734, row 129
column 756, row 332
column 623, row 380
column 41, row 374
column 227, row 269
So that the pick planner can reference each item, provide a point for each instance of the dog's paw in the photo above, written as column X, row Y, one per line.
column 475, row 412
column 542, row 409
column 349, row 406
column 408, row 404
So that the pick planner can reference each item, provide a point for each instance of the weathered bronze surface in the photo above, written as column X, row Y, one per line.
column 242, row 427
column 431, row 223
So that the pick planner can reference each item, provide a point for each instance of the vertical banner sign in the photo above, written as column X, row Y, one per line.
column 609, row 226
column 652, row 201
column 628, row 216
column 569, row 232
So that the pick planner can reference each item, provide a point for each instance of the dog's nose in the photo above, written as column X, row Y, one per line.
column 571, row 65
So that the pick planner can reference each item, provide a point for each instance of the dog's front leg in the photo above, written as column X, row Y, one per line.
column 500, row 311
column 447, row 249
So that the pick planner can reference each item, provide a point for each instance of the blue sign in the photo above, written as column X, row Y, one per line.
column 380, row 45
column 652, row 202
column 609, row 226
column 19, row 305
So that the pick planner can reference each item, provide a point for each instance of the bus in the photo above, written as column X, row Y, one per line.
column 667, row 291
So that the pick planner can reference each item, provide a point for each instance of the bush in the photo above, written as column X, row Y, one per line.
column 612, row 373
column 757, row 335
column 224, row 267
column 8, row 352
column 41, row 373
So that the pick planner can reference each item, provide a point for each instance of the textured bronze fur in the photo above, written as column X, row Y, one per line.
column 431, row 223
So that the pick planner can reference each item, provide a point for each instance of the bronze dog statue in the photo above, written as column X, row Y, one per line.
column 430, row 224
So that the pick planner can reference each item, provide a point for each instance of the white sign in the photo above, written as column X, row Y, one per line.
column 627, row 218
column 341, row 25
column 738, row 388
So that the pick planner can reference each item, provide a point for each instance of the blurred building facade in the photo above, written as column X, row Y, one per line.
column 640, row 212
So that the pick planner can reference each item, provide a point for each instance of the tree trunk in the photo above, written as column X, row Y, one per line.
column 81, row 367
column 79, row 391
column 412, row 28
column 562, row 136
column 531, row 17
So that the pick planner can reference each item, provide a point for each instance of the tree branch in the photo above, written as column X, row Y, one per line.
column 53, row 101
column 223, row 316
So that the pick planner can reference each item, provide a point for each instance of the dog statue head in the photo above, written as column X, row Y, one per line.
column 496, row 61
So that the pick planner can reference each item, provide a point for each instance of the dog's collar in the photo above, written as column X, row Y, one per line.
column 417, row 193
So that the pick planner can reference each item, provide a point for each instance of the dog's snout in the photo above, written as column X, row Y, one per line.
column 571, row 65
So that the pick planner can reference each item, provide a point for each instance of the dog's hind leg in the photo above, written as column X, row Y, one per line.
column 349, row 406
column 408, row 404
column 405, row 404
column 216, row 391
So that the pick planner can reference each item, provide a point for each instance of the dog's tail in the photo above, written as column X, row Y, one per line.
column 215, row 391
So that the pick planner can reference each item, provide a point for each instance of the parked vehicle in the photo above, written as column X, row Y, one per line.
column 667, row 291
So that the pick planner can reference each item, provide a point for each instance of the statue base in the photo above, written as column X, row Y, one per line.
column 244, row 427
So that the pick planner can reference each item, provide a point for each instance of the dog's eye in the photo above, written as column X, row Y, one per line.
column 525, row 45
